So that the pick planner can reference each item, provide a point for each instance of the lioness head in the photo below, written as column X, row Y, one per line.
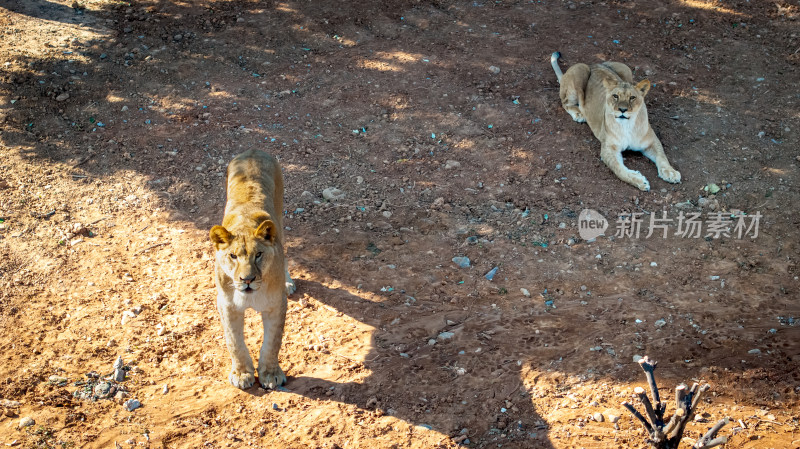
column 624, row 100
column 246, row 256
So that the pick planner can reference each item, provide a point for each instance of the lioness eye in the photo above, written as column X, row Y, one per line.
column 616, row 97
column 258, row 255
column 233, row 256
column 633, row 98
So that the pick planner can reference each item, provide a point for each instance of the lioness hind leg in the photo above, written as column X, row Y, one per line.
column 612, row 157
column 242, row 374
column 573, row 84
column 621, row 69
column 290, row 286
column 270, row 374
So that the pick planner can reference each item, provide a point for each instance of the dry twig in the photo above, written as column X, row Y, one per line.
column 667, row 435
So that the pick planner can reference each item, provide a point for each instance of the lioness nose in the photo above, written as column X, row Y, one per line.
column 248, row 279
column 623, row 109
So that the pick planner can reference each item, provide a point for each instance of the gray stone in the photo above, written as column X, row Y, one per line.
column 462, row 262
column 332, row 194
column 132, row 404
column 26, row 422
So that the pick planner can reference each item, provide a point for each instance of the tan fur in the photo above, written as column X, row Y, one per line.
column 601, row 95
column 250, row 268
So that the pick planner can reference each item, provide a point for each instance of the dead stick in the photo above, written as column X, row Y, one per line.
column 638, row 416
column 649, row 367
column 713, row 431
column 151, row 247
column 714, row 443
column 648, row 407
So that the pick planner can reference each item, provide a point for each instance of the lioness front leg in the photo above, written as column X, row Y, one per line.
column 242, row 373
column 655, row 152
column 270, row 374
column 612, row 157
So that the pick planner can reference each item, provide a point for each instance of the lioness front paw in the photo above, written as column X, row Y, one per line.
column 242, row 380
column 639, row 181
column 669, row 174
column 577, row 116
column 271, row 378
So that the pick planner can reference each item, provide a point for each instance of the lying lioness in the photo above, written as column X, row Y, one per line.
column 604, row 97
column 250, row 269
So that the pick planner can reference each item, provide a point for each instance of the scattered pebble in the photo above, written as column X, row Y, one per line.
column 525, row 292
column 653, row 264
column 445, row 336
column 26, row 422
column 659, row 324
column 597, row 416
column 62, row 97
column 119, row 370
column 131, row 404
column 494, row 69
column 333, row 194
column 613, row 418
column 636, row 358
column 754, row 351
column 451, row 164
column 462, row 262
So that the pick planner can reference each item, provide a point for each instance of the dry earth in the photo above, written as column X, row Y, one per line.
column 440, row 122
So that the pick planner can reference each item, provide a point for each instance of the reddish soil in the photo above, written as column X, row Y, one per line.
column 117, row 120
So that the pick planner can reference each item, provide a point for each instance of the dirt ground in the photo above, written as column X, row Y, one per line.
column 440, row 123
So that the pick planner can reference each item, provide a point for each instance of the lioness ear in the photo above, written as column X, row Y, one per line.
column 220, row 236
column 609, row 83
column 643, row 86
column 266, row 231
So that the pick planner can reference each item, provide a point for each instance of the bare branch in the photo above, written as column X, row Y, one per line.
column 638, row 416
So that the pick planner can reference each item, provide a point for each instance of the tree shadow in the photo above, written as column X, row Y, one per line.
column 463, row 381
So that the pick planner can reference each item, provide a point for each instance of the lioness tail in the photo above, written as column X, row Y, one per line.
column 554, row 62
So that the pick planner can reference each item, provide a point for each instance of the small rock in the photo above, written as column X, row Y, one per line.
column 131, row 405
column 653, row 264
column 636, row 358
column 62, row 97
column 597, row 416
column 165, row 390
column 58, row 380
column 613, row 418
column 445, row 336
column 462, row 262
column 525, row 292
column 754, row 351
column 659, row 324
column 120, row 396
column 26, row 422
column 177, row 37
column 431, row 342
column 494, row 69
column 332, row 194
column 451, row 164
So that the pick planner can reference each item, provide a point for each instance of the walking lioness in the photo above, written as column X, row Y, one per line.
column 604, row 96
column 250, row 268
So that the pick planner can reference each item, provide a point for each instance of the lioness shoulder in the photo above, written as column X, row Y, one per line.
column 604, row 96
column 250, row 267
